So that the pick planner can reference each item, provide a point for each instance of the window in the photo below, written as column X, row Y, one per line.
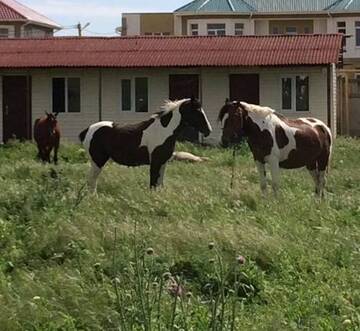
column 286, row 93
column 307, row 30
column 66, row 95
column 126, row 95
column 141, row 95
column 4, row 33
column 291, row 30
column 216, row 29
column 341, row 28
column 194, row 29
column 295, row 93
column 239, row 29
column 302, row 93
column 157, row 33
column 275, row 30
column 357, row 33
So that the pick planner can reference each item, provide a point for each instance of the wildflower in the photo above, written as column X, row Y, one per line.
column 211, row 245
column 174, row 288
column 36, row 298
column 189, row 294
column 346, row 322
column 155, row 284
column 149, row 251
column 240, row 259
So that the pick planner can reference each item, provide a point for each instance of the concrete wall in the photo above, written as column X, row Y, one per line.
column 229, row 25
column 214, row 90
column 157, row 23
column 300, row 25
column 131, row 24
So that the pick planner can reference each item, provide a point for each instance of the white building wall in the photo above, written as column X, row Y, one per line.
column 270, row 91
column 320, row 26
column 71, row 124
column 132, row 24
column 352, row 51
column 229, row 24
column 261, row 27
column 214, row 89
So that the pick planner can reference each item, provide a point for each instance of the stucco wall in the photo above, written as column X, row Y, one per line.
column 71, row 123
column 214, row 90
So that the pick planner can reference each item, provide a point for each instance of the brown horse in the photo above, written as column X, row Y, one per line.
column 279, row 141
column 47, row 136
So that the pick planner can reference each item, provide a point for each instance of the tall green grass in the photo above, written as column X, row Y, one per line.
column 70, row 261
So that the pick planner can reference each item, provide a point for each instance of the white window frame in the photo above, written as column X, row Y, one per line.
column 293, row 93
column 133, row 94
column 157, row 34
column 357, row 28
column 193, row 29
column 241, row 29
column 216, row 31
column 66, row 93
column 10, row 29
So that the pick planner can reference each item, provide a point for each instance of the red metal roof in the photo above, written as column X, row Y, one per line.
column 12, row 10
column 130, row 52
column 9, row 14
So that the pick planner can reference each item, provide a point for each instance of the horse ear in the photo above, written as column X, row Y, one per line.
column 46, row 113
column 165, row 119
column 56, row 114
column 193, row 98
column 227, row 100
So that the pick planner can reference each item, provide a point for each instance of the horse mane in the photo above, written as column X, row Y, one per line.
column 169, row 106
column 257, row 110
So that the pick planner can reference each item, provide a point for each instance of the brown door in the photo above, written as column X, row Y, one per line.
column 181, row 87
column 245, row 87
column 16, row 107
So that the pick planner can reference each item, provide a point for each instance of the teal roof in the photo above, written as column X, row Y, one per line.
column 345, row 5
column 217, row 6
column 270, row 6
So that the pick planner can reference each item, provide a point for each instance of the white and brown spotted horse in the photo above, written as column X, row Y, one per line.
column 279, row 141
column 148, row 142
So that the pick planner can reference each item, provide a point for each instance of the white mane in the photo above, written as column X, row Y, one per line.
column 257, row 110
column 172, row 105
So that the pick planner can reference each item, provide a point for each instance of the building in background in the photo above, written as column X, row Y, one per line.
column 127, row 79
column 270, row 17
column 19, row 21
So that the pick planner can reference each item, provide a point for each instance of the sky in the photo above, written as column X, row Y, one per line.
column 104, row 15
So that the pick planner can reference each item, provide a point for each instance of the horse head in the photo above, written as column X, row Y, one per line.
column 192, row 114
column 233, row 116
column 51, row 120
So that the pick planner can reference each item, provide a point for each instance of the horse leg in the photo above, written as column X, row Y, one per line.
column 312, row 168
column 56, row 148
column 262, row 174
column 275, row 175
column 156, row 174
column 322, row 166
column 93, row 176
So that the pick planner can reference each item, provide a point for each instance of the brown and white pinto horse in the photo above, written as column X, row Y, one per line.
column 148, row 142
column 47, row 136
column 279, row 141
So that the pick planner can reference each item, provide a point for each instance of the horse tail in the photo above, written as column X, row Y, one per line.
column 82, row 134
column 331, row 141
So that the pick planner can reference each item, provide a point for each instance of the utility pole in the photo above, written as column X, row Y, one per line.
column 80, row 28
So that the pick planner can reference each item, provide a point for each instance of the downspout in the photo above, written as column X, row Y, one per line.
column 100, row 94
column 329, row 97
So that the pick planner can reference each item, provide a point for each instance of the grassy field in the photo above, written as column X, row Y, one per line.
column 70, row 261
